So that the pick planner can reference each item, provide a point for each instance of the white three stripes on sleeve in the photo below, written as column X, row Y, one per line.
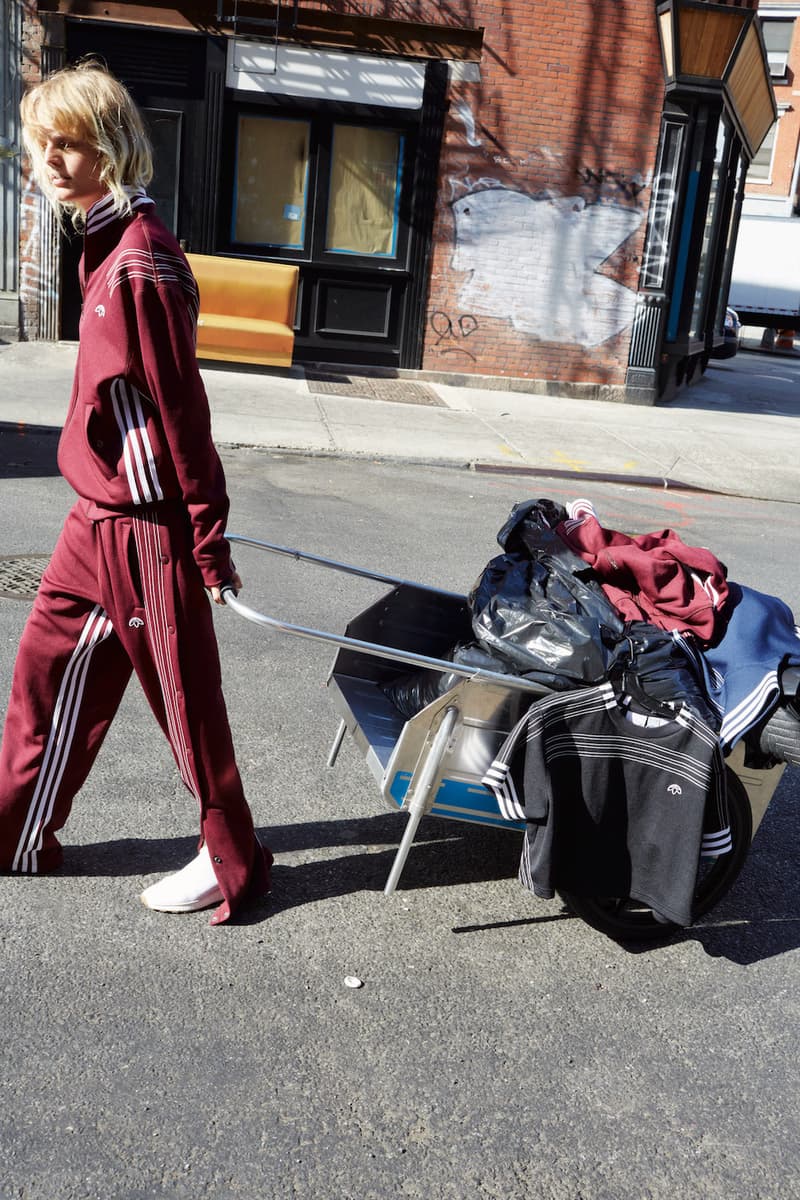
column 137, row 449
column 738, row 720
column 158, row 268
column 498, row 778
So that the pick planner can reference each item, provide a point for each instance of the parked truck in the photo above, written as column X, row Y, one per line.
column 765, row 282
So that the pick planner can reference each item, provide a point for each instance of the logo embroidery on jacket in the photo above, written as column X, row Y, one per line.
column 100, row 309
column 135, row 623
column 675, row 789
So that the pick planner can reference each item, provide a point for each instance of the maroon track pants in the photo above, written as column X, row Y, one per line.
column 120, row 595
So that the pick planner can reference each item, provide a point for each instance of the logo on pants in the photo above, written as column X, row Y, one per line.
column 135, row 623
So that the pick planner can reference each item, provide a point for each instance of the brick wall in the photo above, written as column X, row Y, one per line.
column 545, row 172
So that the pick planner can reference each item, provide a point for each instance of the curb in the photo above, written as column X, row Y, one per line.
column 649, row 481
column 659, row 482
column 655, row 482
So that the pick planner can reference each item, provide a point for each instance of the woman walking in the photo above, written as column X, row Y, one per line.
column 125, row 589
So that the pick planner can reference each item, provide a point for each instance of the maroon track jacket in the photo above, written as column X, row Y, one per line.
column 138, row 429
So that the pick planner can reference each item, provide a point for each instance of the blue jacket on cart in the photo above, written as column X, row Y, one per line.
column 742, row 673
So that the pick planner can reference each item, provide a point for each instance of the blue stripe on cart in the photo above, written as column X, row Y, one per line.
column 458, row 800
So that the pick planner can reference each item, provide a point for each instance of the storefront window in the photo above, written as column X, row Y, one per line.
column 271, row 182
column 663, row 207
column 730, row 238
column 715, row 198
column 364, row 191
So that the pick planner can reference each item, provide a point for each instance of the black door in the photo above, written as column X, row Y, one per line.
column 176, row 81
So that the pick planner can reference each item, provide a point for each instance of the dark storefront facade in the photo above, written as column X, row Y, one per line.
column 287, row 154
column 718, row 106
column 476, row 198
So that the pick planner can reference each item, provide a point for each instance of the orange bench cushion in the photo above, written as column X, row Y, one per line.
column 244, row 339
column 247, row 309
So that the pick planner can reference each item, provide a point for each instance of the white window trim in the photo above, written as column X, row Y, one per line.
column 777, row 11
column 285, row 70
column 776, row 59
column 782, row 108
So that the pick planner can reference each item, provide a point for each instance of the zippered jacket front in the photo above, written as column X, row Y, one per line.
column 138, row 429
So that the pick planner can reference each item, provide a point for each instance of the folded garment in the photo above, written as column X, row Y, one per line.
column 653, row 577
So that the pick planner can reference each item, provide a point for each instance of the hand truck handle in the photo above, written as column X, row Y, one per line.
column 317, row 559
column 408, row 657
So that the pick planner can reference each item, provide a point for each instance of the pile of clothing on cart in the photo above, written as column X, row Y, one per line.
column 656, row 665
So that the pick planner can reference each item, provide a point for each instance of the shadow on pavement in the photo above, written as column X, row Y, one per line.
column 759, row 919
column 235, row 368
column 28, row 451
column 744, row 384
column 444, row 852
column 748, row 941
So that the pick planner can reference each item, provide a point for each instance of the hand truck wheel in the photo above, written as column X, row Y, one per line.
column 627, row 920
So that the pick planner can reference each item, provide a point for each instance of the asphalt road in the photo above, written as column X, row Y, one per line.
column 498, row 1048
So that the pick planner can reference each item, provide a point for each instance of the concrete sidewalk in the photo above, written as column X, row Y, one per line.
column 716, row 449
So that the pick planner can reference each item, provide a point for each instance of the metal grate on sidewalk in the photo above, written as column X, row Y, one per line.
column 20, row 575
column 372, row 387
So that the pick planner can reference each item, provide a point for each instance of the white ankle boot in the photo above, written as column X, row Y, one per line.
column 188, row 890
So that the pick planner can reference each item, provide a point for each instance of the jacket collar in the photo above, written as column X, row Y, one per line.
column 102, row 213
column 104, row 225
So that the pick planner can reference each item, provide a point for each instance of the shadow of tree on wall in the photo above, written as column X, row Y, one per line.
column 427, row 12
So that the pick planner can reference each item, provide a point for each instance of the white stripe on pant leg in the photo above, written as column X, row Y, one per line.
column 98, row 636
column 59, row 741
column 147, row 544
column 149, row 551
column 155, row 598
column 167, row 673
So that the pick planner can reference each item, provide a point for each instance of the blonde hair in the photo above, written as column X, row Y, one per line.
column 84, row 102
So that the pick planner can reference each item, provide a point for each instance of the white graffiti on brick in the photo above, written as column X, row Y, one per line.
column 31, row 279
column 534, row 261
column 28, row 204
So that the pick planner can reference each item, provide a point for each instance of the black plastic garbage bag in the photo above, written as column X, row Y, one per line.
column 529, row 527
column 665, row 669
column 537, row 611
column 539, row 607
column 412, row 692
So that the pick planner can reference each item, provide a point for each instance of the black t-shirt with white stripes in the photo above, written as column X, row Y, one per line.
column 613, row 807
